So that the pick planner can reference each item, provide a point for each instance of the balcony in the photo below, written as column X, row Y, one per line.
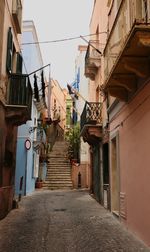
column 91, row 122
column 19, row 99
column 92, row 60
column 17, row 14
column 127, row 51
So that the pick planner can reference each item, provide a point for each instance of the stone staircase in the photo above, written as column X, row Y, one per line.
column 58, row 168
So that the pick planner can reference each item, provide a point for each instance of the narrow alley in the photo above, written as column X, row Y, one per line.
column 64, row 221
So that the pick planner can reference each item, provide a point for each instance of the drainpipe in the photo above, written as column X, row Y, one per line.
column 49, row 93
column 25, row 180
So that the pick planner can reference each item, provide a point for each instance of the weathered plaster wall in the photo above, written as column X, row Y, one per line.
column 132, row 124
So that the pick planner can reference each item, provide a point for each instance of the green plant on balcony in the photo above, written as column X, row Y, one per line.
column 74, row 143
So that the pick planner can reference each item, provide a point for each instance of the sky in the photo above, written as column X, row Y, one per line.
column 60, row 19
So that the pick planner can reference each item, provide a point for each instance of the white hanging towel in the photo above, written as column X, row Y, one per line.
column 36, row 165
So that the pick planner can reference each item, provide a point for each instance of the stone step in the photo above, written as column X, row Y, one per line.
column 58, row 151
column 66, row 170
column 58, row 155
column 58, row 171
column 60, row 148
column 60, row 185
column 52, row 175
column 61, row 160
column 58, row 159
column 59, row 174
column 57, row 187
column 58, row 165
column 63, row 181
column 63, row 168
column 58, row 145
column 58, row 168
column 57, row 162
column 57, row 177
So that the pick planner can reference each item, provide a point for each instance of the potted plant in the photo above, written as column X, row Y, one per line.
column 38, row 183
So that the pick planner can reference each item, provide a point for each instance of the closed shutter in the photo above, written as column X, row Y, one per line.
column 9, row 51
column 19, row 63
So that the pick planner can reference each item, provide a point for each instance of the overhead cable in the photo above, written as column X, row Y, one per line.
column 61, row 40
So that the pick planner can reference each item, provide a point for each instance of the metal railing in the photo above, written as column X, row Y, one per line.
column 92, row 114
column 19, row 91
column 130, row 13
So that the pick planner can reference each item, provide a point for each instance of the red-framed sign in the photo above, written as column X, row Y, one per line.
column 27, row 144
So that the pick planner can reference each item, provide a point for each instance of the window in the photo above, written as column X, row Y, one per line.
column 14, row 59
column 9, row 51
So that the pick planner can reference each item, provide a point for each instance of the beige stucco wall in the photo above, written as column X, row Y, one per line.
column 58, row 94
column 8, row 132
column 8, row 22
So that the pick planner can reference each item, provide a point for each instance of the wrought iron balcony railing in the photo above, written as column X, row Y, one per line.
column 19, row 97
column 92, row 114
column 131, row 14
column 19, row 90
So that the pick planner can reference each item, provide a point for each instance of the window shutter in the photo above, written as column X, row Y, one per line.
column 19, row 63
column 9, row 51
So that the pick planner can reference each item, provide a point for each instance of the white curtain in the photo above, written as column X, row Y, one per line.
column 36, row 165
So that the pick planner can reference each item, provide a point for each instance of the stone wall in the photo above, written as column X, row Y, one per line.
column 80, row 176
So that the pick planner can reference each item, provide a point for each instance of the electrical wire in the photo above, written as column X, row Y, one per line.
column 61, row 40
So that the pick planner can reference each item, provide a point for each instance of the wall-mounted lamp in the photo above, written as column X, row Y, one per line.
column 32, row 129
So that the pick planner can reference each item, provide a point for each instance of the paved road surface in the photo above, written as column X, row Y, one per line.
column 64, row 221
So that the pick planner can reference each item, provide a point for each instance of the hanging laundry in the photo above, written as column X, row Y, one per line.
column 36, row 91
column 43, row 84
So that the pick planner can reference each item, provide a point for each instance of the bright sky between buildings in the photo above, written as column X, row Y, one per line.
column 60, row 19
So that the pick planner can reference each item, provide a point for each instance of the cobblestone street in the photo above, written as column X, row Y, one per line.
column 64, row 221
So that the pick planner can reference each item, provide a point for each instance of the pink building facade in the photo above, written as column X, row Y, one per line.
column 129, row 164
column 123, row 31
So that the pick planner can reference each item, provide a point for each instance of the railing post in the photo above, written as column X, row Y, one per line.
column 79, row 180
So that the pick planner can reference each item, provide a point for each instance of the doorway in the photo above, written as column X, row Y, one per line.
column 106, row 188
column 114, row 176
